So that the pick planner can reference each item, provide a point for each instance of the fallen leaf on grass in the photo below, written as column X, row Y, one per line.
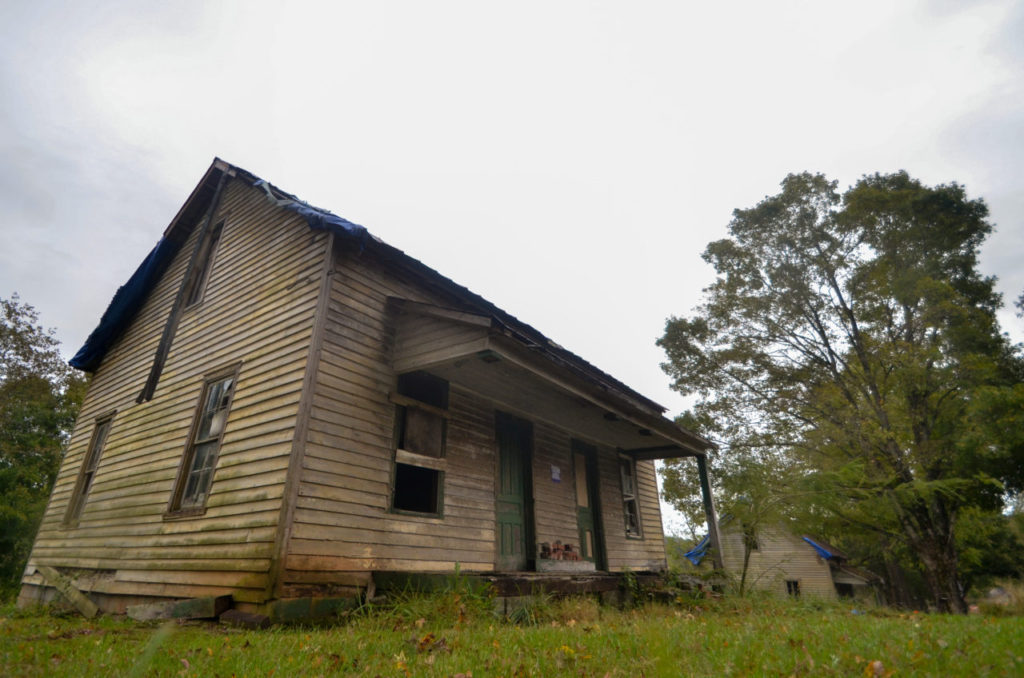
column 874, row 669
column 424, row 643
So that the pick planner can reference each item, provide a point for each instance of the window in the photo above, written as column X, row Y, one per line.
column 630, row 506
column 88, row 472
column 200, row 460
column 844, row 590
column 201, row 268
column 421, row 426
column 750, row 539
column 793, row 587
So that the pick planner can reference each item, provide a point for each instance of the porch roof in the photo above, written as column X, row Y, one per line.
column 481, row 354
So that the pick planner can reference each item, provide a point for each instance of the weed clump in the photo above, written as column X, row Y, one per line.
column 1006, row 599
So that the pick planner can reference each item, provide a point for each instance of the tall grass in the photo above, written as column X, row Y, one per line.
column 455, row 632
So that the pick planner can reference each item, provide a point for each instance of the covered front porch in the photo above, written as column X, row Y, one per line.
column 536, row 387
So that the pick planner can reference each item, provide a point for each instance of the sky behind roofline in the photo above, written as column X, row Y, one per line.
column 568, row 161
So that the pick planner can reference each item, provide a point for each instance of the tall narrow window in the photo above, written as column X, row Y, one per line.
column 200, row 460
column 420, row 431
column 630, row 506
column 202, row 266
column 793, row 587
column 88, row 472
column 750, row 538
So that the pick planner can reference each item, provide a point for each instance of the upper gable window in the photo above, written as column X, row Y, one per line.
column 88, row 471
column 196, row 475
column 200, row 273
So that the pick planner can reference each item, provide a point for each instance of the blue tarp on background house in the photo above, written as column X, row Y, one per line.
column 822, row 551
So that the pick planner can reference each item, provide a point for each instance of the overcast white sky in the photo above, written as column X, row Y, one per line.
column 567, row 160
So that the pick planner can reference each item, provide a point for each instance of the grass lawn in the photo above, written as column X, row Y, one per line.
column 454, row 634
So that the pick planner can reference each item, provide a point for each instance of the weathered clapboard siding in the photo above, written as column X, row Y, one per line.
column 779, row 556
column 257, row 310
column 554, row 503
column 629, row 552
column 422, row 340
column 342, row 518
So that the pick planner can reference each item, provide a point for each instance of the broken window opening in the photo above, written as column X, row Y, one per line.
column 417, row 489
column 421, row 429
column 88, row 472
column 201, row 272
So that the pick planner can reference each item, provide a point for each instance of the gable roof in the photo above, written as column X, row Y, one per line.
column 826, row 551
column 130, row 297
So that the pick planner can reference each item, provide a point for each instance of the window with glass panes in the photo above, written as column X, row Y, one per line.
column 200, row 460
column 88, row 472
column 630, row 506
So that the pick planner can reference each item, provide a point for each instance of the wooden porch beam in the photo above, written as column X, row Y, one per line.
column 709, row 511
column 659, row 452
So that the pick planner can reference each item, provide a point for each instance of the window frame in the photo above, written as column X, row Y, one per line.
column 174, row 505
column 750, row 539
column 86, row 475
column 195, row 290
column 793, row 587
column 424, row 461
column 628, row 498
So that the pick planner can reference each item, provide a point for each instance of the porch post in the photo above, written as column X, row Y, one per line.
column 709, row 511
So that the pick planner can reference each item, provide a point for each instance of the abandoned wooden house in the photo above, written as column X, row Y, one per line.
column 282, row 406
column 781, row 562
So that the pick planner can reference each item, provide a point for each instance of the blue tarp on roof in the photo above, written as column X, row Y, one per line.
column 697, row 553
column 123, row 307
column 822, row 551
column 130, row 296
column 316, row 218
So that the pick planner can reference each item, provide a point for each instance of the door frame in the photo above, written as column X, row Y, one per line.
column 590, row 454
column 502, row 420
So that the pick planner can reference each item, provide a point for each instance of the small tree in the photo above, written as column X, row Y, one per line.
column 855, row 333
column 754, row 488
column 39, row 400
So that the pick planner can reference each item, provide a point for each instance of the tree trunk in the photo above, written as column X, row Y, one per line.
column 746, row 564
column 898, row 594
column 928, row 526
column 940, row 573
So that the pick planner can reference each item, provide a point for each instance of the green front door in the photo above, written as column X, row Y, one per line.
column 588, row 514
column 515, row 443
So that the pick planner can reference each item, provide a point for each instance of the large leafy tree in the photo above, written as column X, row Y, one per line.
column 854, row 335
column 39, row 399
